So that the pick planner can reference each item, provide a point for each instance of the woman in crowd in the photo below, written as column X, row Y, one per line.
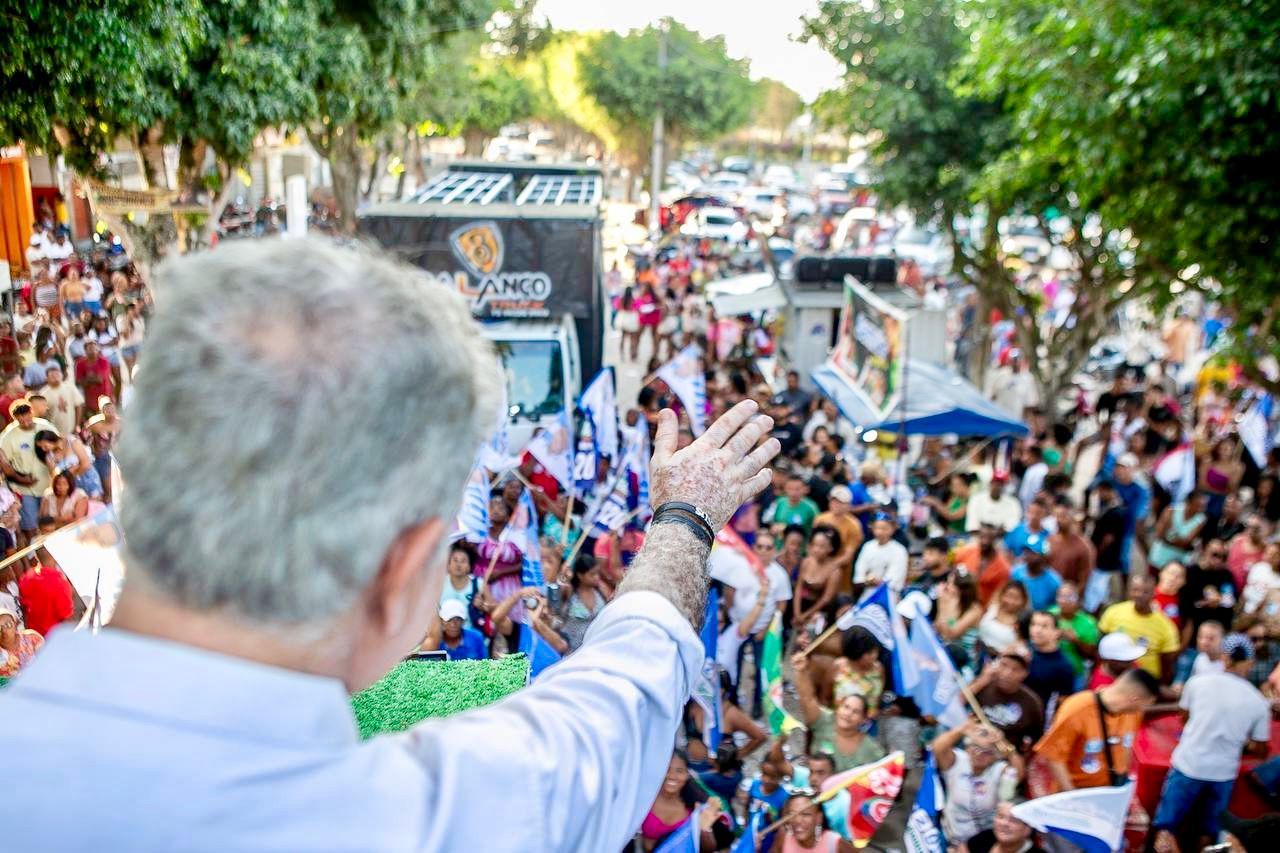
column 64, row 501
column 1177, row 530
column 649, row 309
column 460, row 583
column 977, row 778
column 839, row 732
column 628, row 319
column 584, row 602
column 103, row 428
column 953, row 512
column 1001, row 626
column 791, row 552
column 69, row 454
column 17, row 645
column 1220, row 472
column 498, row 561
column 1007, row 835
column 958, row 613
column 819, row 577
column 859, row 670
column 677, row 798
column 806, row 827
column 71, row 291
column 132, row 330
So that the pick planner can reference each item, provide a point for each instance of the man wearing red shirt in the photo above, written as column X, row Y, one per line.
column 46, row 597
column 13, row 389
column 985, row 562
column 93, row 375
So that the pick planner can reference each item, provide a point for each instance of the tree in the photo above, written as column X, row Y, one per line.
column 948, row 150
column 1163, row 118
column 371, row 59
column 779, row 106
column 473, row 94
column 703, row 92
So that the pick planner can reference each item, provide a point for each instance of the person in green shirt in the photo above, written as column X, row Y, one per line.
column 794, row 507
column 1079, row 629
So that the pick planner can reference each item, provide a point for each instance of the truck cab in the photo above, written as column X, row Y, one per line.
column 540, row 368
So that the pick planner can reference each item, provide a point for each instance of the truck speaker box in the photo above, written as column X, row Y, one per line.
column 868, row 270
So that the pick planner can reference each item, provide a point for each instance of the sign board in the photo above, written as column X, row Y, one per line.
column 870, row 347
column 507, row 268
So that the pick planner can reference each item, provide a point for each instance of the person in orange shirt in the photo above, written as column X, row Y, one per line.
column 1091, row 740
column 985, row 562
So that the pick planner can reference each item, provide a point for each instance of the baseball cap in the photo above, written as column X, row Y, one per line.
column 1119, row 646
column 1000, row 476
column 1128, row 460
column 1238, row 647
column 1019, row 652
column 841, row 493
column 452, row 609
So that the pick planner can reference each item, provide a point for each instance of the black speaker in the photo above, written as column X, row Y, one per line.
column 868, row 270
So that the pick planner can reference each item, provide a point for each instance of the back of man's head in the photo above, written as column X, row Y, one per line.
column 328, row 400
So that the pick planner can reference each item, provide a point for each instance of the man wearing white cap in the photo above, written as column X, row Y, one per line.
column 453, row 635
column 1117, row 653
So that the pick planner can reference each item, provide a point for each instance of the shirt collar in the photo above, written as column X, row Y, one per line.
column 183, row 686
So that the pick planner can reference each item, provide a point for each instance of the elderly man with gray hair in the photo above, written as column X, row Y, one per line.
column 296, row 451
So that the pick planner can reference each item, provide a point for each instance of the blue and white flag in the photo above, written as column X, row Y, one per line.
column 1254, row 430
column 684, row 376
column 921, row 834
column 635, row 456
column 1093, row 819
column 610, row 510
column 586, row 465
column 538, row 650
column 877, row 612
column 553, row 447
column 472, row 520
column 936, row 689
column 1176, row 471
column 523, row 526
column 685, row 838
column 599, row 406
column 706, row 691
column 750, row 840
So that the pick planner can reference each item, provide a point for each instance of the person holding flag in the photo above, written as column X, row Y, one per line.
column 977, row 777
column 921, row 834
column 686, row 378
column 837, row 732
column 807, row 828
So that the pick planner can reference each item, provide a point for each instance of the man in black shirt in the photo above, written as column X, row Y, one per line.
column 1210, row 591
column 1051, row 676
column 1104, row 585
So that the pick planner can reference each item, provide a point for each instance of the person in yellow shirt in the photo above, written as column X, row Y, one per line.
column 1146, row 626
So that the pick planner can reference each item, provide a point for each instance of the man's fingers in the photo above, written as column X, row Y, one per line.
column 759, row 457
column 664, row 440
column 755, row 485
column 726, row 425
column 745, row 439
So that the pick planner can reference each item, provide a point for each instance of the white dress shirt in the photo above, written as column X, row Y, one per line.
column 154, row 745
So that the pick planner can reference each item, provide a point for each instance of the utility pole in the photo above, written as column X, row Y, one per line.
column 659, row 134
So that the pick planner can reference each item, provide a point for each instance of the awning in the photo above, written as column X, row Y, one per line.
column 937, row 402
column 746, row 294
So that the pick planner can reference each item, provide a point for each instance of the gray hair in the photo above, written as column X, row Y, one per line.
column 302, row 405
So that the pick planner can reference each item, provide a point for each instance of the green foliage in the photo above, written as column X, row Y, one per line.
column 471, row 93
column 86, row 72
column 704, row 93
column 778, row 105
column 1163, row 117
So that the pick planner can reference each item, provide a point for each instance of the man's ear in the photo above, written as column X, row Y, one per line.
column 403, row 579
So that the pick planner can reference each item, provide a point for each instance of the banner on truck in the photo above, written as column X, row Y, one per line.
column 870, row 348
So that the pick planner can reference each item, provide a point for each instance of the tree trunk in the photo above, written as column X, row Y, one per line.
column 344, row 162
column 475, row 140
column 419, row 170
column 373, row 187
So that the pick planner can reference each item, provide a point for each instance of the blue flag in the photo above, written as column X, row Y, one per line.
column 1093, row 819
column 539, row 652
column 877, row 612
column 936, row 688
column 600, row 409
column 707, row 691
column 921, row 834
column 685, row 837
column 748, row 843
column 524, row 532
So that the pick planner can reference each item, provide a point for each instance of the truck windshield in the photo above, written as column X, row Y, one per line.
column 534, row 376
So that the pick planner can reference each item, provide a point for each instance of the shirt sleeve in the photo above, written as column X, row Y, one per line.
column 1262, row 727
column 1106, row 622
column 575, row 759
column 897, row 574
column 860, row 564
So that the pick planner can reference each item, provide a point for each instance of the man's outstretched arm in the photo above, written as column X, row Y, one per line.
column 574, row 761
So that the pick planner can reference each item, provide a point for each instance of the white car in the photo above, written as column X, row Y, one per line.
column 759, row 201
column 715, row 223
column 779, row 175
column 926, row 247
column 726, row 183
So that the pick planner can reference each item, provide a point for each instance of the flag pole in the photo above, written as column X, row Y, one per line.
column 820, row 639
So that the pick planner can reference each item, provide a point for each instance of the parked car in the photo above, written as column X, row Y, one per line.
column 739, row 165
column 926, row 247
column 725, row 183
column 758, row 201
column 715, row 223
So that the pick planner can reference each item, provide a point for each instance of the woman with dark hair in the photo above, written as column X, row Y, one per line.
column 859, row 671
column 584, row 603
column 69, row 454
column 958, row 613
column 840, row 732
column 1002, row 626
column 806, row 827
column 953, row 511
column 677, row 798
column 460, row 583
column 819, row 577
column 64, row 502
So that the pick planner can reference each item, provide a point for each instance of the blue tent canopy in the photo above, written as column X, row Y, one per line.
column 937, row 402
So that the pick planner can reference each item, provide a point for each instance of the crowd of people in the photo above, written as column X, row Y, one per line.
column 68, row 348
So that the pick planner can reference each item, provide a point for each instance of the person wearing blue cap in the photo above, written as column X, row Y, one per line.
column 1036, row 575
column 1227, row 716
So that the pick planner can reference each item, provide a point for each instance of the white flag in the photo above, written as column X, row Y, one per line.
column 553, row 448
column 684, row 376
column 1091, row 818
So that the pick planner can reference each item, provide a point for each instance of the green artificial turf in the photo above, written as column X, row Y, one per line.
column 416, row 690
